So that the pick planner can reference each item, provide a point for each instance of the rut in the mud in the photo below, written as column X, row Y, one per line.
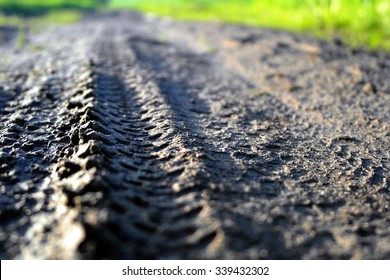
column 133, row 138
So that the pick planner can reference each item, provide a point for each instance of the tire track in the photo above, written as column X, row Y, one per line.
column 145, row 149
column 137, row 161
column 238, row 166
column 28, row 152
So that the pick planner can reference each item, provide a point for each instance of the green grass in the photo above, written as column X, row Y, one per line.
column 60, row 17
column 357, row 22
column 58, row 11
column 27, row 14
column 21, row 39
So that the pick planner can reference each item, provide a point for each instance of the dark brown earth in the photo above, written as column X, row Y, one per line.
column 133, row 137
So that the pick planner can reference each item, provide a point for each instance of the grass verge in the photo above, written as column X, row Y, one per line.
column 356, row 22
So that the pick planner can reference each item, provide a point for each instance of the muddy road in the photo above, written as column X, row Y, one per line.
column 133, row 137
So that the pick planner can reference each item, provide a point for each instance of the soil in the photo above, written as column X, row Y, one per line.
column 127, row 136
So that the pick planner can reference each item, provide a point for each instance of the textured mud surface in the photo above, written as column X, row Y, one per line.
column 133, row 137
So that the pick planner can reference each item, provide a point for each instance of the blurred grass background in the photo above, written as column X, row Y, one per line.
column 58, row 11
column 356, row 22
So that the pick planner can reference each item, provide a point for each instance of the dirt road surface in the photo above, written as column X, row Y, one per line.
column 134, row 137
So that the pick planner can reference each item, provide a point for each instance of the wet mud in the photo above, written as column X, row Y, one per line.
column 127, row 136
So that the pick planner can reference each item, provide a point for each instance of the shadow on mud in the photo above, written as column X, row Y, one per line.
column 220, row 168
